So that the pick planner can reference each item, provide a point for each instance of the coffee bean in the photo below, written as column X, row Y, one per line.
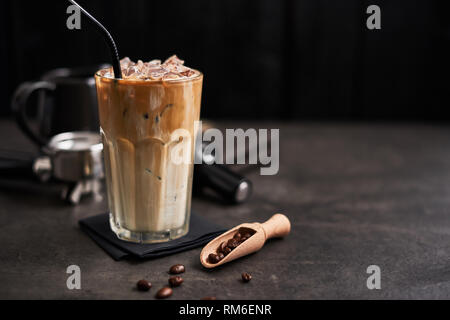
column 222, row 246
column 164, row 293
column 213, row 258
column 232, row 243
column 227, row 246
column 177, row 269
column 209, row 298
column 175, row 281
column 226, row 251
column 143, row 285
column 246, row 277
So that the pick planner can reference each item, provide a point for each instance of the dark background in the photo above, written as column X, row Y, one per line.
column 304, row 59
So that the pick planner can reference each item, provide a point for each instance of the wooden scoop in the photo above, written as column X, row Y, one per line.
column 277, row 226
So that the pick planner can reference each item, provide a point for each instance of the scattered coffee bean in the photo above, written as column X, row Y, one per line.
column 213, row 258
column 175, row 281
column 209, row 298
column 164, row 293
column 246, row 277
column 177, row 269
column 143, row 285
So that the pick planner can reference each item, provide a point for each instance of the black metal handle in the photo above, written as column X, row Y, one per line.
column 228, row 184
column 19, row 107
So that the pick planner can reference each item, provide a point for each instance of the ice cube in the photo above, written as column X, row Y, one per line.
column 125, row 62
column 172, row 68
column 187, row 73
column 132, row 72
column 154, row 63
column 173, row 60
column 140, row 64
column 171, row 76
column 156, row 75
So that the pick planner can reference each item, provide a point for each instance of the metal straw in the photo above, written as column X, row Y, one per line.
column 109, row 40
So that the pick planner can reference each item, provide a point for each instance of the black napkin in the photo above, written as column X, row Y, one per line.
column 201, row 231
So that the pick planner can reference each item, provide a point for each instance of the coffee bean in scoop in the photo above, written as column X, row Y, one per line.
column 226, row 251
column 213, row 258
column 232, row 243
column 222, row 246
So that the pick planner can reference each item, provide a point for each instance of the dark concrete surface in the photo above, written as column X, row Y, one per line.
column 357, row 195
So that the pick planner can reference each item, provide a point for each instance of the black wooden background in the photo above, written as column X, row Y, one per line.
column 262, row 58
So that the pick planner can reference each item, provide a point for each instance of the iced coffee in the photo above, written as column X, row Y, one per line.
column 141, row 115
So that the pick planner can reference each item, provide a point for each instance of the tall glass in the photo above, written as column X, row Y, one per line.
column 149, row 194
